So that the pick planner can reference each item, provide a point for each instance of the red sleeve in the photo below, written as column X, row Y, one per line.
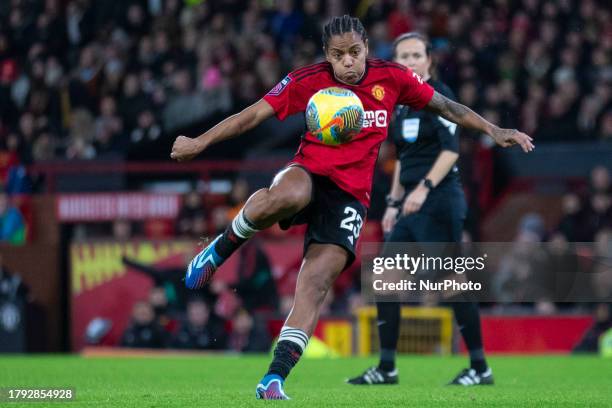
column 414, row 92
column 287, row 98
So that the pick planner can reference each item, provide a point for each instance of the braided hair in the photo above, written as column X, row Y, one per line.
column 343, row 25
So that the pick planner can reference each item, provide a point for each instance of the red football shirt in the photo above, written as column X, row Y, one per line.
column 350, row 165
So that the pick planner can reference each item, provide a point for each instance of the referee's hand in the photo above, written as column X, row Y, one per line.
column 389, row 219
column 414, row 201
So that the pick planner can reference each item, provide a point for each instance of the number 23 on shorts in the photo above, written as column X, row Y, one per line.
column 353, row 223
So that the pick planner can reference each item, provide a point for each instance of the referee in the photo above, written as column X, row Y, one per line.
column 426, row 204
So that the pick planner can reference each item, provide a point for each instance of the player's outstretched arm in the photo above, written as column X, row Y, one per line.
column 186, row 148
column 467, row 118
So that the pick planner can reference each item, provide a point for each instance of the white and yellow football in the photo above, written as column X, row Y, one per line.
column 334, row 115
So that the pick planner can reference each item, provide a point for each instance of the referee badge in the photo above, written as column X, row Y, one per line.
column 410, row 129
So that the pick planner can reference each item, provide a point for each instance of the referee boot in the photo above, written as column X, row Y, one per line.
column 375, row 376
column 469, row 377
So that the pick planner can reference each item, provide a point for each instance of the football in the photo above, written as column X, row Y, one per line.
column 334, row 115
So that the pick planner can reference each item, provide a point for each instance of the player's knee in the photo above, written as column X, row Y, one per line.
column 286, row 200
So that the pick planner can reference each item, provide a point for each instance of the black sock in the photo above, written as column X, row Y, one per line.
column 468, row 319
column 286, row 356
column 228, row 243
column 236, row 234
column 388, row 332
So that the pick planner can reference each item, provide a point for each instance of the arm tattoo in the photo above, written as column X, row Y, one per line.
column 447, row 108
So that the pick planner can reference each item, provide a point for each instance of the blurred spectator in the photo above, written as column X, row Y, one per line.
column 598, row 215
column 83, row 85
column 311, row 21
column 164, row 312
column 520, row 275
column 202, row 329
column 600, row 180
column 44, row 147
column 132, row 101
column 8, row 158
column 248, row 335
column 605, row 129
column 11, row 285
column 584, row 216
column 12, row 224
column 80, row 136
column 570, row 224
column 145, row 138
column 531, row 227
column 122, row 230
column 400, row 19
column 13, row 311
column 255, row 284
column 158, row 229
column 109, row 136
column 191, row 221
column 219, row 219
column 143, row 331
column 238, row 197
column 601, row 274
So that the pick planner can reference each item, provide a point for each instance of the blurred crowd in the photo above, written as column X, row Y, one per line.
column 574, row 254
column 153, row 325
column 85, row 79
column 587, row 214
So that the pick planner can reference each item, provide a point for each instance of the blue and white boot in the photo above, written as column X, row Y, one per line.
column 203, row 266
column 271, row 388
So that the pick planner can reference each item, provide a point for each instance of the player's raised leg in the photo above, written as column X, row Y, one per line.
column 321, row 265
column 289, row 193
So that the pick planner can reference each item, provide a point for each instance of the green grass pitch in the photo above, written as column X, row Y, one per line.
column 228, row 381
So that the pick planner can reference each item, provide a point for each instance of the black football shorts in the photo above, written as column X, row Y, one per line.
column 333, row 216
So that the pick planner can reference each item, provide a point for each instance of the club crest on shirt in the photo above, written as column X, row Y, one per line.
column 378, row 92
column 280, row 86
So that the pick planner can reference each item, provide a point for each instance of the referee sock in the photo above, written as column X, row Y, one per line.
column 388, row 332
column 289, row 349
column 468, row 319
column 236, row 234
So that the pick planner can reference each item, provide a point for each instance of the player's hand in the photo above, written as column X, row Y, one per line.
column 511, row 137
column 185, row 148
column 389, row 219
column 414, row 201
